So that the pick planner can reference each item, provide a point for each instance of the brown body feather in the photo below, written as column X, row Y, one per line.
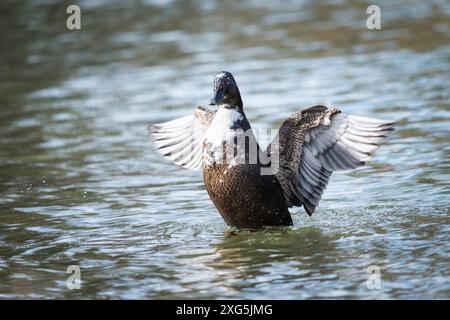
column 244, row 197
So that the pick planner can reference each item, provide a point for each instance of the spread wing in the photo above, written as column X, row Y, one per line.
column 181, row 140
column 317, row 141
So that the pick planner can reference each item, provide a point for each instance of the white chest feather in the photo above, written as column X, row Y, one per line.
column 221, row 133
column 220, row 129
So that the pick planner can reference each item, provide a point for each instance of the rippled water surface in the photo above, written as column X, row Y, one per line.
column 79, row 184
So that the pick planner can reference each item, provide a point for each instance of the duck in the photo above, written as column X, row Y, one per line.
column 254, row 188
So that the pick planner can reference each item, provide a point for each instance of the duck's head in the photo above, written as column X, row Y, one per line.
column 226, row 91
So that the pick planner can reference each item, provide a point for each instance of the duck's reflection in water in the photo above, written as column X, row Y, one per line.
column 247, row 260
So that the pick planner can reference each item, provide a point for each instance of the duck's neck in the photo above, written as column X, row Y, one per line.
column 234, row 99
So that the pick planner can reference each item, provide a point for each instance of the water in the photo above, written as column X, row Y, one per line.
column 80, row 186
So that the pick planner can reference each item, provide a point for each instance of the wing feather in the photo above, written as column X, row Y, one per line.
column 181, row 140
column 324, row 140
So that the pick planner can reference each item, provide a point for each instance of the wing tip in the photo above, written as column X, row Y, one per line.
column 309, row 207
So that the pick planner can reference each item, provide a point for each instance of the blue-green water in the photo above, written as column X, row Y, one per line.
column 79, row 184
